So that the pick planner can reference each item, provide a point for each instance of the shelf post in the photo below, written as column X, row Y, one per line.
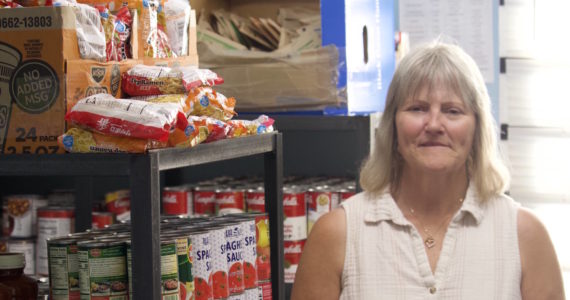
column 145, row 224
column 274, row 207
column 83, row 202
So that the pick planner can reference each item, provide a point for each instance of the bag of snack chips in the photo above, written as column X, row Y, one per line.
column 77, row 140
column 205, row 101
column 237, row 128
column 124, row 117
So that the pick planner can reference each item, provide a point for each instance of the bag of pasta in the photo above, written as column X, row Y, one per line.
column 77, row 140
column 125, row 117
column 193, row 77
column 117, row 33
column 205, row 101
column 237, row 128
column 199, row 130
column 142, row 80
column 179, row 99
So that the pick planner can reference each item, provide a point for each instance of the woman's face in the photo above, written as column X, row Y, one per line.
column 435, row 131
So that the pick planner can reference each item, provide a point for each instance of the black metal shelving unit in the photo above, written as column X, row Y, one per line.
column 144, row 173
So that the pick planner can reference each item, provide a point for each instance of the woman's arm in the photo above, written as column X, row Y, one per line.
column 320, row 269
column 541, row 274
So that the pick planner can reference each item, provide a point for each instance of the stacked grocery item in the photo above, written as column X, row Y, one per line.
column 201, row 258
column 168, row 107
column 305, row 200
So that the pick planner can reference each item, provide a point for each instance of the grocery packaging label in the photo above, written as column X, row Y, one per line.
column 34, row 45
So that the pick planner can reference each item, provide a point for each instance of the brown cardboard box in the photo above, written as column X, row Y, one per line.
column 40, row 70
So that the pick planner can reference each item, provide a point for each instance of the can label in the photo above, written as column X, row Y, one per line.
column 220, row 283
column 184, row 253
column 237, row 297
column 320, row 203
column 249, row 254
column 202, row 267
column 230, row 202
column 253, row 294
column 51, row 224
column 233, row 250
column 266, row 290
column 64, row 272
column 295, row 223
column 103, row 273
column 204, row 202
column 28, row 248
column 177, row 202
column 255, row 201
column 101, row 219
column 169, row 271
column 292, row 253
column 263, row 262
column 118, row 202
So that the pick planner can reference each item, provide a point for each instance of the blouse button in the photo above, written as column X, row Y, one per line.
column 432, row 290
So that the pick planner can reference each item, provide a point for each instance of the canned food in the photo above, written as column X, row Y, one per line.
column 347, row 192
column 233, row 251
column 292, row 253
column 52, row 222
column 28, row 248
column 255, row 200
column 220, row 288
column 230, row 201
column 295, row 210
column 263, row 261
column 103, row 270
column 169, row 269
column 63, row 269
column 177, row 201
column 19, row 215
column 265, row 290
column 249, row 251
column 320, row 201
column 184, row 257
column 204, row 200
column 119, row 203
column 100, row 219
column 202, row 267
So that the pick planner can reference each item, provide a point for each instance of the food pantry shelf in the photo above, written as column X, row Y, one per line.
column 144, row 173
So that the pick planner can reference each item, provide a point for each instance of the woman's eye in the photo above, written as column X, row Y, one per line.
column 454, row 111
column 415, row 108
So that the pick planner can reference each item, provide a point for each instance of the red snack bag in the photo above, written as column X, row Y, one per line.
column 129, row 118
column 117, row 33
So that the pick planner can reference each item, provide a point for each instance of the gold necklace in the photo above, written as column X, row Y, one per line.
column 429, row 241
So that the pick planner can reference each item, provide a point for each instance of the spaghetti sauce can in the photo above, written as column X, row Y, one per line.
column 220, row 282
column 202, row 263
column 52, row 222
column 230, row 201
column 233, row 252
column 247, row 223
column 177, row 200
column 204, row 200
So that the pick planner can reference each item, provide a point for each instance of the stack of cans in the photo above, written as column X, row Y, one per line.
column 201, row 258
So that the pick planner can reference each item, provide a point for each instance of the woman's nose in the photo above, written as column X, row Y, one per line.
column 433, row 122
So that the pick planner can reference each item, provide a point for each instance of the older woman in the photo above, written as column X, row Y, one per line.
column 433, row 220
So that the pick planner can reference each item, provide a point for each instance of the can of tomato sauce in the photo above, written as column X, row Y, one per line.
column 103, row 270
column 52, row 222
column 101, row 219
column 177, row 200
column 292, row 254
column 19, row 215
column 248, row 227
column 230, row 201
column 295, row 210
column 205, row 200
column 63, row 268
column 220, row 282
column 233, row 251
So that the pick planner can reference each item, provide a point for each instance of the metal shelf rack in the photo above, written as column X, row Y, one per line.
column 144, row 173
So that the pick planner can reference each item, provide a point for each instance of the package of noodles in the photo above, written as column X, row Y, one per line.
column 117, row 33
column 195, row 133
column 205, row 101
column 125, row 117
column 142, row 80
column 180, row 99
column 77, row 140
column 193, row 77
column 237, row 128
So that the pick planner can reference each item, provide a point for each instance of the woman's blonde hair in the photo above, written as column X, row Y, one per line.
column 438, row 63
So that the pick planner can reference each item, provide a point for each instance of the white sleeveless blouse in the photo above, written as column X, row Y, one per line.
column 385, row 256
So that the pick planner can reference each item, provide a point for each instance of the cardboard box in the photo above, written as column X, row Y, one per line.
column 41, row 70
column 362, row 31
